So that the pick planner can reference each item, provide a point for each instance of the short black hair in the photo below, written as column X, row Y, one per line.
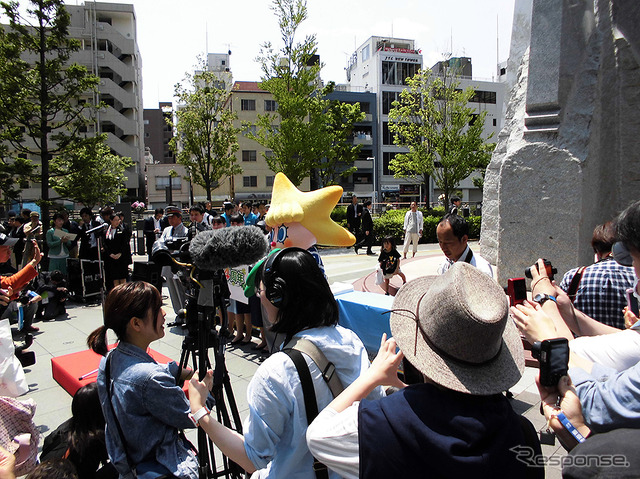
column 236, row 219
column 388, row 239
column 229, row 206
column 25, row 211
column 158, row 211
column 11, row 214
column 309, row 300
column 628, row 226
column 86, row 210
column 219, row 220
column 197, row 208
column 458, row 224
column 454, row 199
column 248, row 204
column 367, row 203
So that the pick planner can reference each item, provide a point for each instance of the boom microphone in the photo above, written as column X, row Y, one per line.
column 228, row 247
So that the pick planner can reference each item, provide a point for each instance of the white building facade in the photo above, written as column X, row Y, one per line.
column 381, row 65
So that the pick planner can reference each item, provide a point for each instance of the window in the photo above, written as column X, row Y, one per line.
column 386, row 159
column 480, row 96
column 249, row 181
column 270, row 180
column 268, row 154
column 247, row 105
column 388, row 97
column 366, row 53
column 270, row 105
column 248, row 155
column 473, row 119
column 396, row 73
column 495, row 122
column 250, row 129
column 387, row 135
column 162, row 183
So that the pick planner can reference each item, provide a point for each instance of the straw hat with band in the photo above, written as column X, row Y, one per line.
column 455, row 329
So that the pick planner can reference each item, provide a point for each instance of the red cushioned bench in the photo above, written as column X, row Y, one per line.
column 68, row 369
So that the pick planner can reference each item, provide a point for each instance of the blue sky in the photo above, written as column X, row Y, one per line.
column 171, row 34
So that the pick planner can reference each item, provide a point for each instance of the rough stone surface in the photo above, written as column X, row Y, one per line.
column 566, row 159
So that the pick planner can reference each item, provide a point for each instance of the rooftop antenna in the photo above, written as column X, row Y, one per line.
column 206, row 41
column 497, row 45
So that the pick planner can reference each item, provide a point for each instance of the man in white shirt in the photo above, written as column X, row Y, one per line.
column 170, row 234
column 453, row 235
column 413, row 224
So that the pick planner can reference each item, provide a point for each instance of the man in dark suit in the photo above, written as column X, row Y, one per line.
column 354, row 215
column 152, row 229
column 367, row 230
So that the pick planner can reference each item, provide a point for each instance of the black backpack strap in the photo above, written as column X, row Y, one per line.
column 575, row 282
column 310, row 402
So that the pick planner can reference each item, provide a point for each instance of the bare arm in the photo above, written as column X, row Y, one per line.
column 383, row 371
column 228, row 441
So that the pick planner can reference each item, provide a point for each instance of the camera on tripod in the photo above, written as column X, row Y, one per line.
column 164, row 253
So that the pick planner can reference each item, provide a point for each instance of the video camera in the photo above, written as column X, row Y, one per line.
column 164, row 253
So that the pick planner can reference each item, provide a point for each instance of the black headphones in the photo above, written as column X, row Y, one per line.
column 276, row 286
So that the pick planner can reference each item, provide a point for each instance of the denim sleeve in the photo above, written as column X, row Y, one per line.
column 610, row 400
column 165, row 400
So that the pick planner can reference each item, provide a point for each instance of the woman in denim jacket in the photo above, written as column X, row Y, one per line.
column 142, row 404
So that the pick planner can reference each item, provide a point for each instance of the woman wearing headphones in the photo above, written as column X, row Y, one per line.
column 299, row 304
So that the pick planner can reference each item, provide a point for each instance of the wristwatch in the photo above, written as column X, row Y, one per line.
column 543, row 298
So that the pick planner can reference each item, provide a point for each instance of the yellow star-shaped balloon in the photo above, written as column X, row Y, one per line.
column 312, row 210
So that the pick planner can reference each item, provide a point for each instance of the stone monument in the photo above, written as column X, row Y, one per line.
column 566, row 159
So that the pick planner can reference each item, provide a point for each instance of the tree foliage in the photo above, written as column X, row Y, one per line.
column 206, row 140
column 340, row 153
column 303, row 135
column 442, row 133
column 42, row 94
column 90, row 173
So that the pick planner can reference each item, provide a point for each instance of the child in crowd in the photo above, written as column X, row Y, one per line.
column 389, row 260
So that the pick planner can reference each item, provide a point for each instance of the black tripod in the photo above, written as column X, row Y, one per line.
column 201, row 336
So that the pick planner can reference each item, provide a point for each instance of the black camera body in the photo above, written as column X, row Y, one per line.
column 547, row 265
column 553, row 355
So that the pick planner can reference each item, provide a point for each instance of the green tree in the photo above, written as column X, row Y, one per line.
column 90, row 173
column 43, row 95
column 302, row 134
column 206, row 140
column 340, row 152
column 442, row 134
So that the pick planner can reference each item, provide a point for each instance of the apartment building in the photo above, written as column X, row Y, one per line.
column 108, row 48
column 248, row 100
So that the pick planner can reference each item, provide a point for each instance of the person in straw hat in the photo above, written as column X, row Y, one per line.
column 455, row 329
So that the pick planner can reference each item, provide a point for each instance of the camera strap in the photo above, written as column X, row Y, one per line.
column 294, row 350
column 575, row 282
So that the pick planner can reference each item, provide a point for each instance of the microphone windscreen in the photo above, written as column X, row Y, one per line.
column 228, row 247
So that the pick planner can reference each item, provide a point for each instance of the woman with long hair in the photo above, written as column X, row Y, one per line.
column 117, row 251
column 299, row 304
column 143, row 406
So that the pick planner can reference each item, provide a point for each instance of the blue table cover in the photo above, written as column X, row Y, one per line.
column 363, row 314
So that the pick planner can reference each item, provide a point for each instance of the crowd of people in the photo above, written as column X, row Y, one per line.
column 455, row 340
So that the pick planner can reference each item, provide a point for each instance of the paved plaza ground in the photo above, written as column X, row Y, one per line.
column 68, row 335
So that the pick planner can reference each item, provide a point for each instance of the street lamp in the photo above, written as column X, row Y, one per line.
column 375, row 179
